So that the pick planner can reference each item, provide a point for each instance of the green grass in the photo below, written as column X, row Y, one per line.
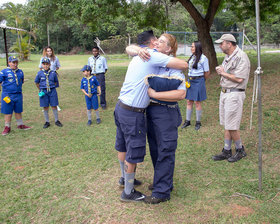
column 70, row 174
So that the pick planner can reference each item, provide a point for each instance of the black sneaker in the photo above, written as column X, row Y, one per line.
column 46, row 125
column 134, row 196
column 98, row 121
column 186, row 124
column 58, row 123
column 222, row 156
column 89, row 122
column 197, row 125
column 240, row 153
column 154, row 200
column 136, row 182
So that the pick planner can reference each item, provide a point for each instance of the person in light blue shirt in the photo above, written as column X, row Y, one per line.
column 99, row 68
column 129, row 112
column 198, row 72
column 48, row 52
column 163, row 120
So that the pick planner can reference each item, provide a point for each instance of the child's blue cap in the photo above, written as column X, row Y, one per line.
column 86, row 68
column 12, row 59
column 46, row 60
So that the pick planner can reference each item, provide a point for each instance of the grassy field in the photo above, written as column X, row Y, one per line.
column 70, row 174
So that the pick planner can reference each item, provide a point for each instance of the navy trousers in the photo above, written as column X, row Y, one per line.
column 162, row 131
column 101, row 79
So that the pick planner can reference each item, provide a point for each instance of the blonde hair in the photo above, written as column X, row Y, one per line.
column 45, row 53
column 172, row 42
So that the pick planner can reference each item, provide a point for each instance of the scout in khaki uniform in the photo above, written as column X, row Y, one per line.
column 234, row 73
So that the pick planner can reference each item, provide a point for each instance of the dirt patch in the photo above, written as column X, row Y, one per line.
column 239, row 211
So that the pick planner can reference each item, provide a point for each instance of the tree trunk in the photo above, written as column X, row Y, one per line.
column 208, row 48
column 203, row 25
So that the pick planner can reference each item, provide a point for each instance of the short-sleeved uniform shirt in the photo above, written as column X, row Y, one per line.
column 134, row 90
column 93, row 84
column 98, row 64
column 41, row 78
column 54, row 64
column 11, row 80
column 202, row 66
column 237, row 64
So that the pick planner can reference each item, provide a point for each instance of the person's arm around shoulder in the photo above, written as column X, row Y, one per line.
column 177, row 64
column 134, row 50
column 169, row 96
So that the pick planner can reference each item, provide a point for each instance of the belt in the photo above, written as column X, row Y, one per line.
column 224, row 90
column 162, row 104
column 98, row 73
column 134, row 109
column 195, row 77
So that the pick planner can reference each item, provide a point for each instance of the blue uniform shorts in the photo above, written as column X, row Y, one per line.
column 49, row 99
column 92, row 103
column 15, row 105
column 131, row 134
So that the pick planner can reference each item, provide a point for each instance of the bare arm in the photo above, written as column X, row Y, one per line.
column 85, row 93
column 38, row 86
column 98, row 91
column 134, row 50
column 177, row 64
column 169, row 96
column 206, row 74
column 220, row 71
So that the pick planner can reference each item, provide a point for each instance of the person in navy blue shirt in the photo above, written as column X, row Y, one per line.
column 12, row 79
column 47, row 82
column 99, row 68
column 91, row 88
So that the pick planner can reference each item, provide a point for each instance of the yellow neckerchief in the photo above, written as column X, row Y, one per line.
column 88, row 78
column 47, row 79
column 15, row 74
column 94, row 64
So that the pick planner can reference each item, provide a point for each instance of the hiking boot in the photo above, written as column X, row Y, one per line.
column 23, row 127
column 89, row 122
column 6, row 130
column 240, row 153
column 186, row 124
column 136, row 182
column 134, row 196
column 46, row 125
column 222, row 156
column 98, row 121
column 58, row 123
column 197, row 125
column 154, row 200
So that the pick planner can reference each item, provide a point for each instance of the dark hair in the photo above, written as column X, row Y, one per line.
column 197, row 53
column 145, row 37
column 97, row 48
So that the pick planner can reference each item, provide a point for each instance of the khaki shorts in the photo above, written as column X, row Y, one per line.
column 231, row 107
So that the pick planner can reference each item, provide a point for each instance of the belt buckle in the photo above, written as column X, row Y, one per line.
column 224, row 90
column 191, row 78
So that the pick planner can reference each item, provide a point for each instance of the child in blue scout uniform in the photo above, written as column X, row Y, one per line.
column 12, row 79
column 91, row 88
column 99, row 67
column 47, row 82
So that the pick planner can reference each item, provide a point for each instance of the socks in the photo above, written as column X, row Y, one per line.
column 227, row 145
column 89, row 115
column 97, row 114
column 8, row 124
column 188, row 114
column 55, row 114
column 238, row 144
column 46, row 115
column 19, row 122
column 128, row 182
column 198, row 115
column 122, row 167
